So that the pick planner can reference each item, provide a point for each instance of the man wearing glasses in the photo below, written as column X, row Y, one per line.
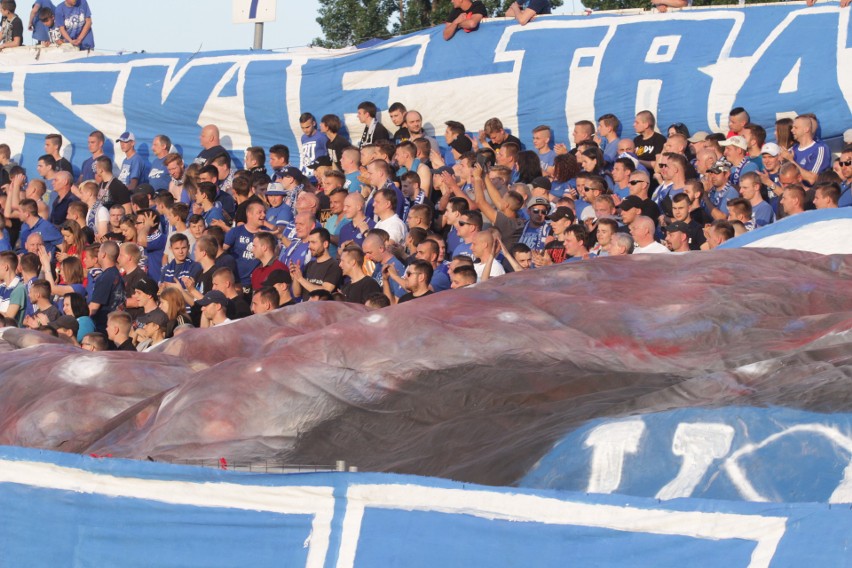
column 536, row 230
column 843, row 168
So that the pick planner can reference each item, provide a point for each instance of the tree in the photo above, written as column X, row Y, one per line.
column 350, row 22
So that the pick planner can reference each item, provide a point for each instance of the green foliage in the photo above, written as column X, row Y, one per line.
column 349, row 22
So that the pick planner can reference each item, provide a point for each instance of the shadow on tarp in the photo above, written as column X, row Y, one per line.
column 475, row 385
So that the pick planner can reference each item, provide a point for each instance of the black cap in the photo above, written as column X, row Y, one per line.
column 320, row 162
column 66, row 322
column 462, row 144
column 213, row 297
column 562, row 213
column 677, row 226
column 278, row 277
column 147, row 286
column 631, row 202
column 542, row 182
column 156, row 316
column 294, row 173
column 144, row 188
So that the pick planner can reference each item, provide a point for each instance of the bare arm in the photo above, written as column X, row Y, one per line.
column 479, row 193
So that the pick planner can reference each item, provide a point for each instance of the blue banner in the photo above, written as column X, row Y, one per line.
column 733, row 453
column 62, row 510
column 691, row 66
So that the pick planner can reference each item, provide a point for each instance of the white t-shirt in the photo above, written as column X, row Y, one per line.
column 653, row 248
column 496, row 269
column 395, row 227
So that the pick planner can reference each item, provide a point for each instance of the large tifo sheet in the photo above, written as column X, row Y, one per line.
column 61, row 510
column 476, row 385
column 691, row 67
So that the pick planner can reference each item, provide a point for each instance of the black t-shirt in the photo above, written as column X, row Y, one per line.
column 63, row 165
column 130, row 281
column 322, row 272
column 116, row 193
column 401, row 135
column 476, row 7
column 238, row 308
column 360, row 291
column 647, row 150
column 509, row 138
column 17, row 29
column 410, row 296
column 335, row 149
column 240, row 215
column 205, row 156
column 379, row 133
column 511, row 228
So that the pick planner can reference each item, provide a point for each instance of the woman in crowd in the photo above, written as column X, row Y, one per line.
column 75, row 305
column 173, row 304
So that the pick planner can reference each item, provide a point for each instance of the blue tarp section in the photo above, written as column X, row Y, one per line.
column 61, row 510
column 691, row 66
column 733, row 453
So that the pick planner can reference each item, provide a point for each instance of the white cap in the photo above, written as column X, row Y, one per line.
column 771, row 148
column 847, row 136
column 738, row 141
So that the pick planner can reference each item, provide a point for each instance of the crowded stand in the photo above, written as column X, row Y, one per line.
column 126, row 255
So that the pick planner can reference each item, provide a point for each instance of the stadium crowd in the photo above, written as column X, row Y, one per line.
column 124, row 256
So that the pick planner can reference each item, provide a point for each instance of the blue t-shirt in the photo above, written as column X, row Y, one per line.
column 154, row 249
column 280, row 215
column 40, row 32
column 312, row 148
column 539, row 6
column 240, row 242
column 720, row 197
column 845, row 195
column 49, row 233
column 441, row 278
column 173, row 272
column 4, row 241
column 226, row 202
column 215, row 213
column 763, row 214
column 86, row 326
column 349, row 232
column 158, row 176
column 815, row 158
column 534, row 237
column 298, row 252
column 87, row 170
column 463, row 249
column 74, row 18
column 396, row 289
column 134, row 168
column 352, row 184
column 547, row 159
column 109, row 294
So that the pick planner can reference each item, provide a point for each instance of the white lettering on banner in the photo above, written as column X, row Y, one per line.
column 192, row 91
column 765, row 531
column 317, row 502
column 700, row 445
column 843, row 493
column 611, row 442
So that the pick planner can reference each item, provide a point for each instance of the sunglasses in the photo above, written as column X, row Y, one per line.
column 636, row 182
column 538, row 211
column 463, row 223
column 846, row 163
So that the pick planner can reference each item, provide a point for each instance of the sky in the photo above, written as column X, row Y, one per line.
column 190, row 25
column 206, row 25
